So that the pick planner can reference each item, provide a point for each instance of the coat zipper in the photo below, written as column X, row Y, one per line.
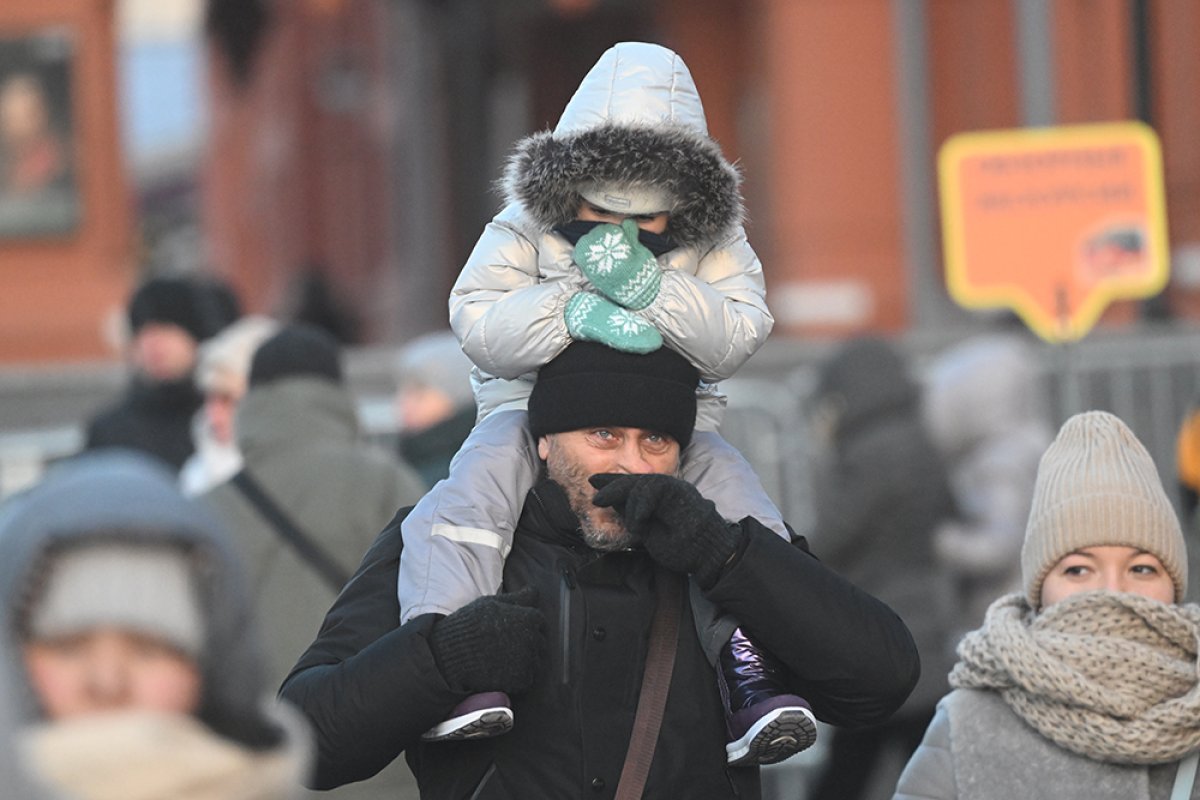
column 564, row 620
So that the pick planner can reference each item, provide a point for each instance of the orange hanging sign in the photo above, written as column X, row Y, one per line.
column 1054, row 223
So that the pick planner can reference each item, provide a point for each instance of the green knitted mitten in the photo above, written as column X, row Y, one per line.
column 618, row 265
column 592, row 318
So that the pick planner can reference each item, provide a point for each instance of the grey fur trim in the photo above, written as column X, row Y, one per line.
column 543, row 172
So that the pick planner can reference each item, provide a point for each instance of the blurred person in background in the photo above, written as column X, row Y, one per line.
column 134, row 639
column 33, row 155
column 168, row 317
column 987, row 411
column 1187, row 476
column 314, row 299
column 310, row 499
column 1187, row 463
column 222, row 370
column 1083, row 684
column 882, row 491
column 434, row 404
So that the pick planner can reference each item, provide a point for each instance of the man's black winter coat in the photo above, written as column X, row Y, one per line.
column 371, row 686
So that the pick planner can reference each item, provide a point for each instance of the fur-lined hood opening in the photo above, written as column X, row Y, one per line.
column 635, row 118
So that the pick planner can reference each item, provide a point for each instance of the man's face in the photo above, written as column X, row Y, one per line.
column 111, row 669
column 572, row 457
column 163, row 352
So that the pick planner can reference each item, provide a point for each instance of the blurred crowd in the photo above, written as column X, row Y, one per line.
column 227, row 494
column 229, row 529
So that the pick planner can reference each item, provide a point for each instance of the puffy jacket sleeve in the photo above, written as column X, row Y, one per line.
column 849, row 654
column 507, row 305
column 713, row 309
column 368, row 686
column 929, row 774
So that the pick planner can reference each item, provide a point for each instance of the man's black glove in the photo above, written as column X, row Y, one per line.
column 496, row 643
column 680, row 529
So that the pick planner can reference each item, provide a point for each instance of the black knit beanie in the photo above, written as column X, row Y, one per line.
column 200, row 306
column 589, row 384
column 170, row 301
column 297, row 350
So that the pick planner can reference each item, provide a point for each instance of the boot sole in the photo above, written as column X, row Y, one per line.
column 476, row 725
column 777, row 736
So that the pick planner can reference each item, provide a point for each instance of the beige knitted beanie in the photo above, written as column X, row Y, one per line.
column 1097, row 486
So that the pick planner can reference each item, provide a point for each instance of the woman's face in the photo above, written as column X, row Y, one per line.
column 1118, row 569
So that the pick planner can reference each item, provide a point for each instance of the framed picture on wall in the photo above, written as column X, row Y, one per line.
column 39, row 194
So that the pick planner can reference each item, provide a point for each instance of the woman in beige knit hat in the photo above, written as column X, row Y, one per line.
column 1084, row 685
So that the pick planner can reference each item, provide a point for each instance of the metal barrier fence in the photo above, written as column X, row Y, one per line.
column 1148, row 378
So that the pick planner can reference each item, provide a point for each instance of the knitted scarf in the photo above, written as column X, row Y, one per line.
column 142, row 755
column 1112, row 677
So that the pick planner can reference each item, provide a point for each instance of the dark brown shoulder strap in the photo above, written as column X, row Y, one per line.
column 656, row 683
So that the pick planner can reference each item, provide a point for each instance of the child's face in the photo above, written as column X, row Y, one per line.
column 651, row 223
column 1118, row 569
column 110, row 669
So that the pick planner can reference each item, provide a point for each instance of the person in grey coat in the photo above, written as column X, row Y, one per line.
column 988, row 413
column 299, row 434
column 1084, row 684
column 880, row 496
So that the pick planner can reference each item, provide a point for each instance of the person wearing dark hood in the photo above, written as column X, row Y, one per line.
column 593, row 634
column 623, row 228
column 136, row 644
column 168, row 318
column 880, row 499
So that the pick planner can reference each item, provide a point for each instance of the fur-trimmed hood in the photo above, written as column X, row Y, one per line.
column 635, row 118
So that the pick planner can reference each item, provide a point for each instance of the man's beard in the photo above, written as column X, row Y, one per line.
column 602, row 528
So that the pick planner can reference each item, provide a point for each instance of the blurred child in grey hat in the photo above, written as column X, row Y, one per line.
column 1085, row 684
column 134, row 636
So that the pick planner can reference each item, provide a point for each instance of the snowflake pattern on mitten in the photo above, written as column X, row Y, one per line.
column 593, row 318
column 618, row 265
